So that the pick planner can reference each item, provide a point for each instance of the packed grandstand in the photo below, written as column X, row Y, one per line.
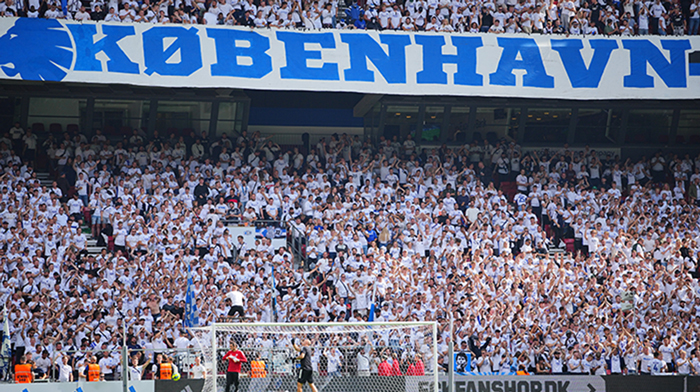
column 547, row 261
column 593, row 17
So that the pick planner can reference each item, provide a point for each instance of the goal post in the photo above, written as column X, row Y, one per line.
column 345, row 357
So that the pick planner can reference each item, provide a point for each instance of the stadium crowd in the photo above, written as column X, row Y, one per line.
column 459, row 232
column 589, row 17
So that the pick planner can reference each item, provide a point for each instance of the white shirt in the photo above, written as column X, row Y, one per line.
column 683, row 366
column 666, row 353
column 334, row 358
column 615, row 364
column 120, row 237
column 43, row 363
column 656, row 366
column 197, row 371
column 64, row 372
column 236, row 298
column 557, row 365
column 134, row 373
column 104, row 365
column 645, row 361
column 362, row 362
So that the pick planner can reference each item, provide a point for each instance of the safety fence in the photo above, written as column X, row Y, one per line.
column 70, row 366
column 109, row 386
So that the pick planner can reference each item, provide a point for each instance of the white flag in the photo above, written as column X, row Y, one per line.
column 5, row 348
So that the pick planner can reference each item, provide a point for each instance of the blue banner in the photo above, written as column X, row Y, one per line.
column 191, row 313
column 464, row 366
column 403, row 63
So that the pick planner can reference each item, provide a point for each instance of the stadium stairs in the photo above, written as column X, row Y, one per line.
column 92, row 248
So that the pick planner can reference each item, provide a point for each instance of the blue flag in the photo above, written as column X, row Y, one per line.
column 64, row 7
column 191, row 313
column 5, row 349
column 462, row 363
column 372, row 307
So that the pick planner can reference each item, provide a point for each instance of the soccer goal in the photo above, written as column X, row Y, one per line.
column 345, row 357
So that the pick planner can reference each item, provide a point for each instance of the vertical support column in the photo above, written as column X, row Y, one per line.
column 450, row 357
column 368, row 125
column 573, row 123
column 89, row 117
column 379, row 130
column 435, row 359
column 522, row 125
column 125, row 360
column 214, row 372
column 152, row 117
column 420, row 123
column 673, row 132
column 214, row 120
column 623, row 128
column 471, row 125
column 445, row 126
column 24, row 112
column 245, row 115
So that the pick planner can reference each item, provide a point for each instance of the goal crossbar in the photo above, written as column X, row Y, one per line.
column 341, row 324
column 273, row 328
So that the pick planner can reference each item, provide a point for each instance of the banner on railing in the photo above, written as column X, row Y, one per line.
column 180, row 385
column 568, row 383
column 269, row 229
column 537, row 66
column 101, row 386
column 553, row 383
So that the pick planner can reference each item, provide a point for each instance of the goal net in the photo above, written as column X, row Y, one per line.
column 345, row 357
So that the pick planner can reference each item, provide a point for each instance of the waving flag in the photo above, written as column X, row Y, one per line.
column 5, row 350
column 372, row 307
column 191, row 313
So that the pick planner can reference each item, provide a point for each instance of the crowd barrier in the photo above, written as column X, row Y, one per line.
column 183, row 359
column 83, row 386
column 109, row 386
column 177, row 386
column 496, row 383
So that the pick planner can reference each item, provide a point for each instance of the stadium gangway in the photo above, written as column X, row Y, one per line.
column 296, row 240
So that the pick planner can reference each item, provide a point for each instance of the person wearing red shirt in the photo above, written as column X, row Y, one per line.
column 384, row 369
column 395, row 369
column 411, row 371
column 235, row 358
column 420, row 368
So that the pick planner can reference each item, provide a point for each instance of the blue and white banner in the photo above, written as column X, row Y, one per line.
column 5, row 347
column 191, row 312
column 534, row 66
column 464, row 366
